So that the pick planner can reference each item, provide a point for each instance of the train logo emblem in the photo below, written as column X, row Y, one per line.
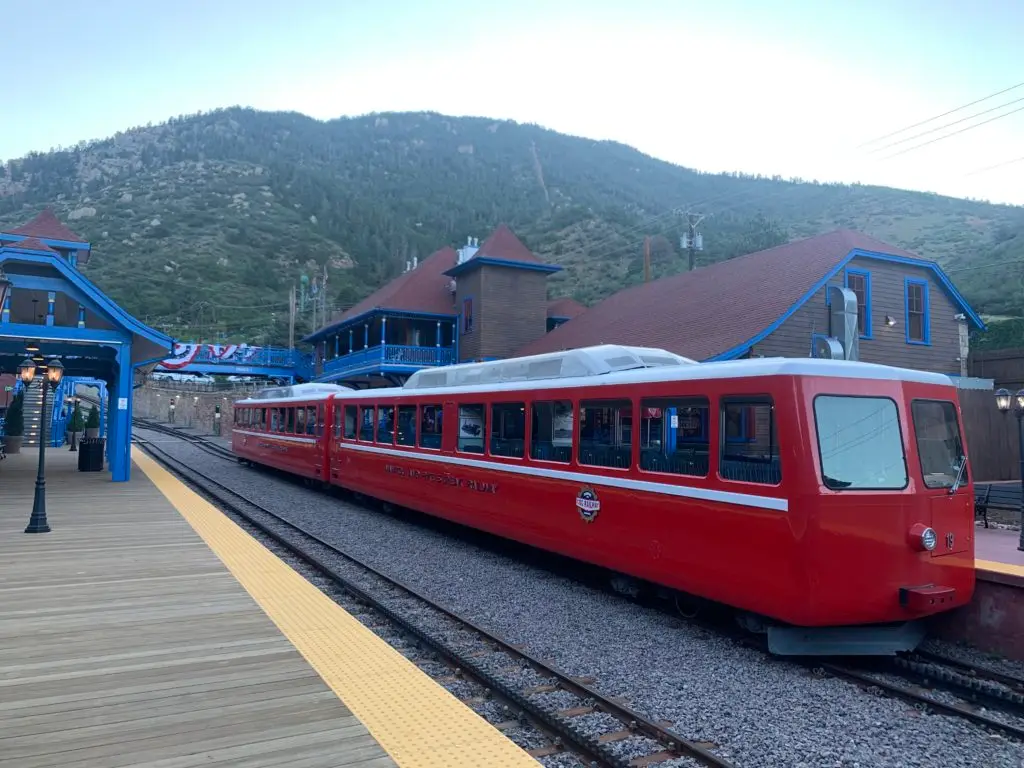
column 588, row 504
column 949, row 540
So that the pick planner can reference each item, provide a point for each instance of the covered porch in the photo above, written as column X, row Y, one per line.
column 52, row 311
column 384, row 347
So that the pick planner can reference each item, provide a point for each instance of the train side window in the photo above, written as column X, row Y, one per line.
column 407, row 425
column 939, row 447
column 606, row 433
column 508, row 429
column 337, row 422
column 314, row 420
column 299, row 425
column 386, row 424
column 277, row 419
column 366, row 423
column 674, row 435
column 471, row 429
column 749, row 450
column 551, row 431
column 261, row 424
column 351, row 419
column 431, row 426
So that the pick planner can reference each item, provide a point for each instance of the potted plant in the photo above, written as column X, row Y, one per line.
column 76, row 426
column 92, row 424
column 14, row 424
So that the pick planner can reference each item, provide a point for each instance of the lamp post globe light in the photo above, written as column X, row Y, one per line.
column 1005, row 402
column 54, row 372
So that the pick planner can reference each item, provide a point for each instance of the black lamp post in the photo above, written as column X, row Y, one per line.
column 1004, row 401
column 54, row 371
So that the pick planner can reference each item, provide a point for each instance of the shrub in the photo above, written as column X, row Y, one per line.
column 14, row 424
column 94, row 418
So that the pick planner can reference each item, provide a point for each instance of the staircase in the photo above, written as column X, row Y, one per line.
column 35, row 411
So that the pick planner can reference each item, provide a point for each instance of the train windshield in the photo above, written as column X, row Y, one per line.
column 859, row 443
column 943, row 462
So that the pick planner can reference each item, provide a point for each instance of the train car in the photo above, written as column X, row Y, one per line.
column 283, row 427
column 828, row 501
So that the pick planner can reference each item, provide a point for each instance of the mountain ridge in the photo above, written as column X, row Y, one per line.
column 201, row 224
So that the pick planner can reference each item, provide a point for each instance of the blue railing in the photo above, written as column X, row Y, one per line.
column 389, row 356
column 274, row 357
column 228, row 359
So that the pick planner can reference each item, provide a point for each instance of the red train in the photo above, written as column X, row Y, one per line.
column 828, row 501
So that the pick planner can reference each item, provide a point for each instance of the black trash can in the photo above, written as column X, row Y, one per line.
column 90, row 454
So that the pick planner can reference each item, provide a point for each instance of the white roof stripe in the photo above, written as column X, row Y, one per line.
column 732, row 369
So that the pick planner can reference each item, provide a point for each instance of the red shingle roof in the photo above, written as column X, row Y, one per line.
column 565, row 307
column 713, row 309
column 32, row 244
column 503, row 244
column 47, row 226
column 424, row 289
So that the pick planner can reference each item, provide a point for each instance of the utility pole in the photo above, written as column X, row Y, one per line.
column 291, row 317
column 647, row 259
column 692, row 240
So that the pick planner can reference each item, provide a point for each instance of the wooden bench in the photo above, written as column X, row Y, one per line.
column 996, row 496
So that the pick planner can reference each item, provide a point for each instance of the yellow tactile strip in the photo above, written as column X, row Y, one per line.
column 1007, row 569
column 418, row 722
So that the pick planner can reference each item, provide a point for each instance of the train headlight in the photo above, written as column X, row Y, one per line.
column 923, row 537
column 928, row 539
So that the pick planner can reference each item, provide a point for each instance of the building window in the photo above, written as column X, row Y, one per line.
column 467, row 315
column 860, row 283
column 916, row 300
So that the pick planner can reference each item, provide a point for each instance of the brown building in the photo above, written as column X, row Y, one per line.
column 478, row 303
column 789, row 302
column 842, row 294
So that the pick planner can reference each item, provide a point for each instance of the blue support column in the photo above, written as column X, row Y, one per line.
column 5, row 311
column 439, row 333
column 81, row 316
column 51, row 298
column 121, row 418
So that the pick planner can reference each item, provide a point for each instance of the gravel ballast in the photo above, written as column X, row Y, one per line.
column 760, row 712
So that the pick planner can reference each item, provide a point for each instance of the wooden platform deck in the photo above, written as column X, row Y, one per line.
column 124, row 641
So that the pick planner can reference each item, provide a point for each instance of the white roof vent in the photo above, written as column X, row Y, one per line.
column 572, row 363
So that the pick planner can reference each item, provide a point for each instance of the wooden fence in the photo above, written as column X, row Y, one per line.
column 991, row 437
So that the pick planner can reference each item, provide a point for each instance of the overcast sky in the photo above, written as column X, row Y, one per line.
column 788, row 87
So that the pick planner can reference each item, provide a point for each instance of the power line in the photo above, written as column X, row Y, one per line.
column 954, row 133
column 947, row 125
column 938, row 117
column 993, row 167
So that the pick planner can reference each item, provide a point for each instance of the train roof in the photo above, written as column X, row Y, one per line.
column 600, row 360
column 597, row 367
column 312, row 391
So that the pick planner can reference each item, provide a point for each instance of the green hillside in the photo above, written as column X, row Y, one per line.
column 201, row 225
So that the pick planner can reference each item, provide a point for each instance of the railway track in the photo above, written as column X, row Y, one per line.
column 200, row 442
column 927, row 681
column 573, row 717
